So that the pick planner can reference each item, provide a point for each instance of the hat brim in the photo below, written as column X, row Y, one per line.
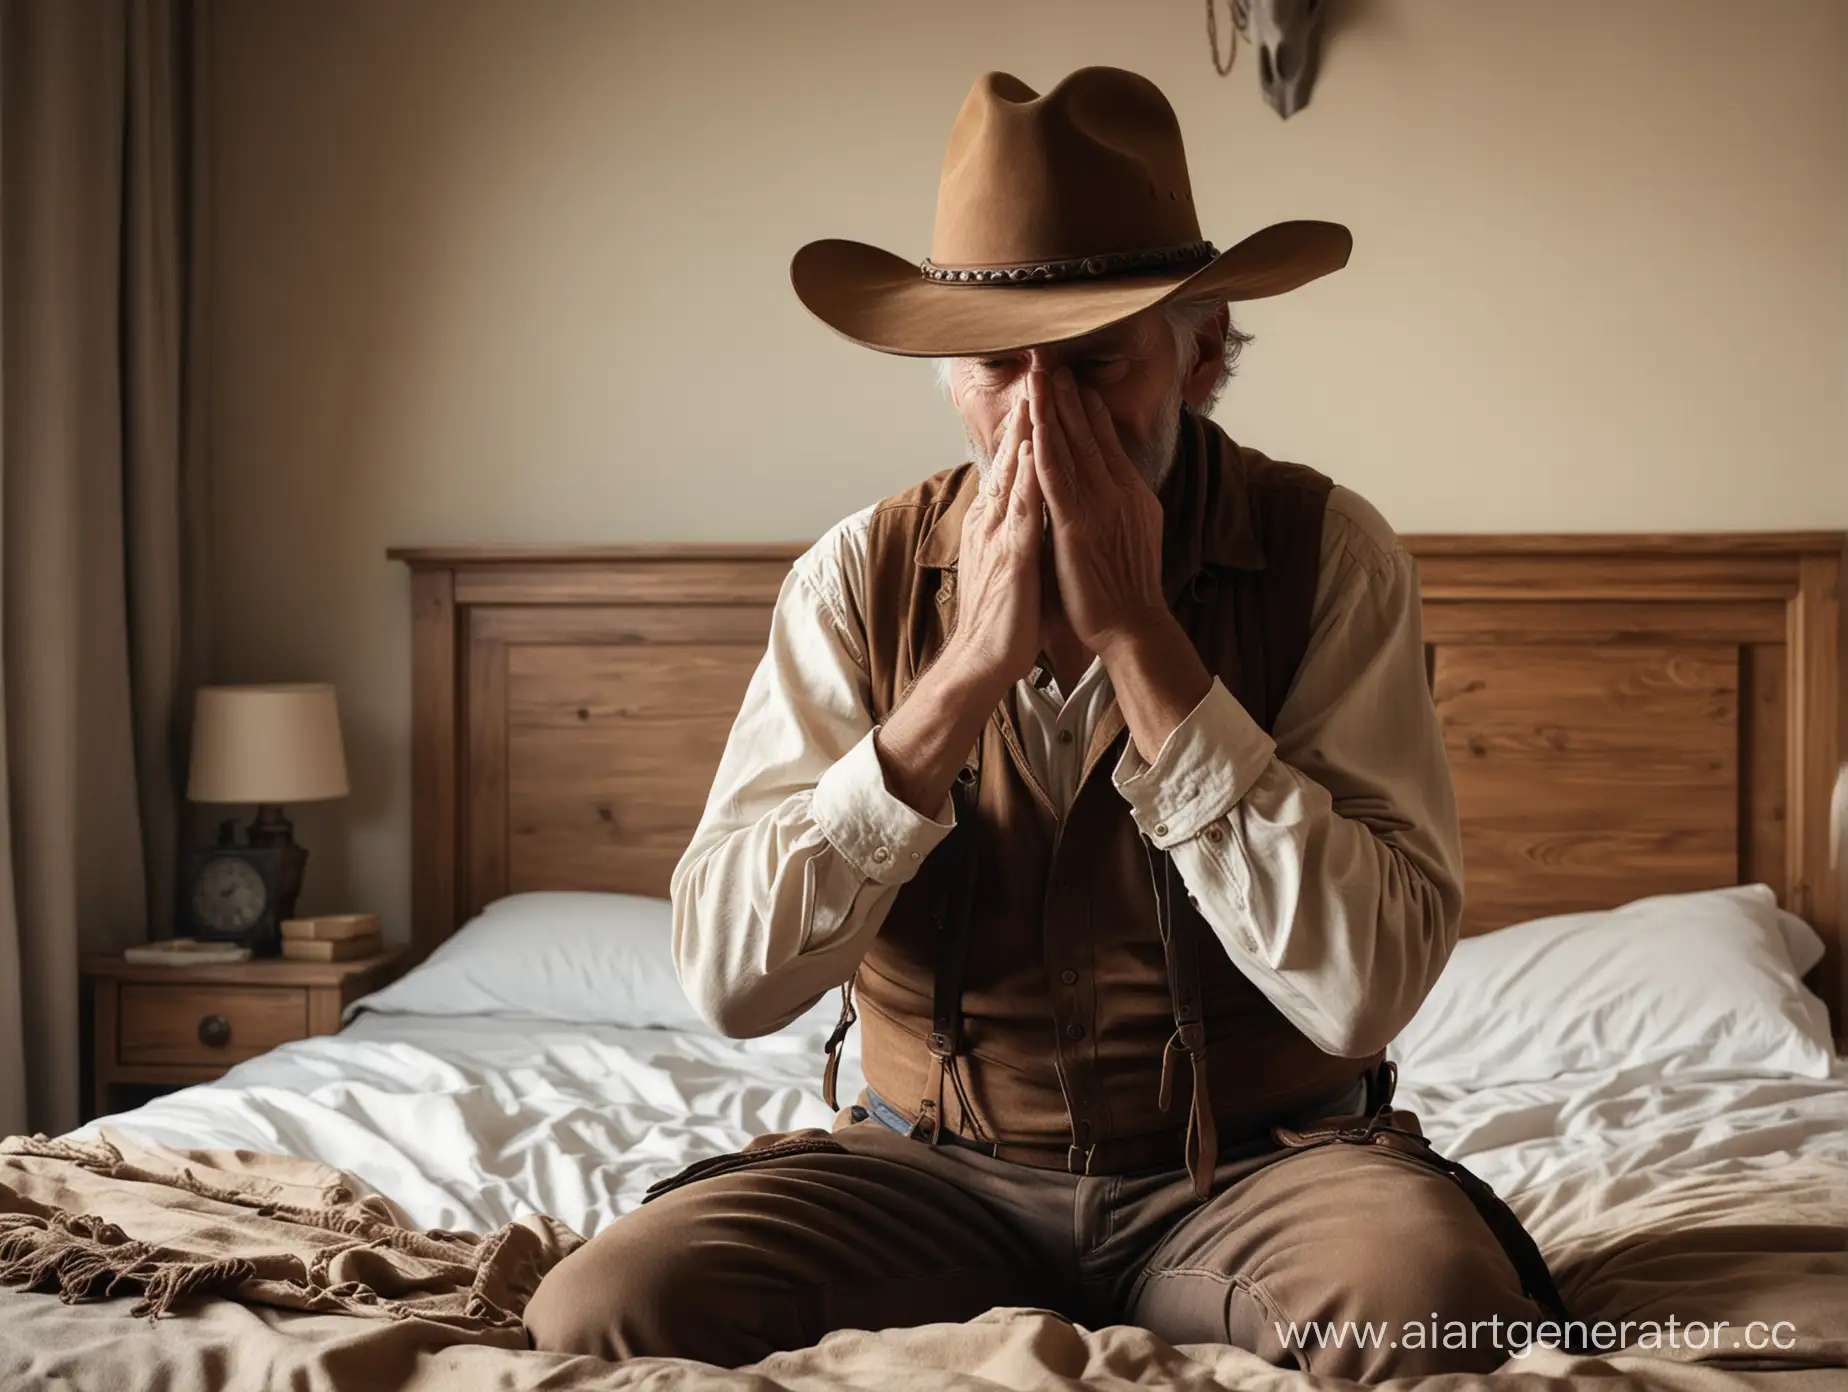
column 880, row 301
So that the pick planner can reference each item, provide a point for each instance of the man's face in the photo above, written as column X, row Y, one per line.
column 1136, row 367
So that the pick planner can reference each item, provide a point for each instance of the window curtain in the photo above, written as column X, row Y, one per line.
column 101, row 506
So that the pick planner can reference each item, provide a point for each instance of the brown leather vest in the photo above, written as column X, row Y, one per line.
column 1065, row 995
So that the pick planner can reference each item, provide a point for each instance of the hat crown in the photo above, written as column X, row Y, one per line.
column 1094, row 167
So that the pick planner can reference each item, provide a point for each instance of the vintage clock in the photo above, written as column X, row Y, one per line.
column 239, row 893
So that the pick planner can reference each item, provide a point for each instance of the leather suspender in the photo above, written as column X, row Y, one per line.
column 951, row 953
column 1180, row 942
column 1181, row 947
column 831, row 1071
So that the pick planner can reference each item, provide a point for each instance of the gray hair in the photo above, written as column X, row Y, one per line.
column 1187, row 319
column 1184, row 321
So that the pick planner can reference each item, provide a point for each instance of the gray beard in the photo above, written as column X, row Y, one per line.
column 1153, row 462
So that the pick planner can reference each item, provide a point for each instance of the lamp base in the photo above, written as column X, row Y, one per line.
column 273, row 831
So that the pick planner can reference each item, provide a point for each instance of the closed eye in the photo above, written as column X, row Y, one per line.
column 994, row 370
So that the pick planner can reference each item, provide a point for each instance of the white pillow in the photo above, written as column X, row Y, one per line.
column 585, row 958
column 569, row 956
column 1682, row 983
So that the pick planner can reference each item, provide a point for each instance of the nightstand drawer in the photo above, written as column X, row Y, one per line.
column 207, row 1025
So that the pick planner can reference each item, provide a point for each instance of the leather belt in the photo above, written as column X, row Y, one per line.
column 1154, row 1150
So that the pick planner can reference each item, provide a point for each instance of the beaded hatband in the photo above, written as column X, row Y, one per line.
column 1078, row 268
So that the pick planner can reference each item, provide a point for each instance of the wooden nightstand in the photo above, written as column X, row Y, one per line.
column 166, row 1027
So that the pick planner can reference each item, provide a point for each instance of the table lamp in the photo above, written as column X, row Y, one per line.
column 267, row 745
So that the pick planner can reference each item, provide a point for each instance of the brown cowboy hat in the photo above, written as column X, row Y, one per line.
column 1056, row 216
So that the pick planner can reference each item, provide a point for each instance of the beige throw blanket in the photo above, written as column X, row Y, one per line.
column 299, row 1252
column 92, row 1220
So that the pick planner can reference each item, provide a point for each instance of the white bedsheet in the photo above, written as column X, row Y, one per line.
column 1561, row 1150
column 470, row 1122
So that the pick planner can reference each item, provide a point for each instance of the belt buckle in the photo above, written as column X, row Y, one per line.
column 1078, row 1159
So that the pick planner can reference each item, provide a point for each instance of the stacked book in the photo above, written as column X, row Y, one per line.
column 186, row 952
column 331, row 938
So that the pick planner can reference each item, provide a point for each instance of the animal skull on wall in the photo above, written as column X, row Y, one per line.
column 1287, row 35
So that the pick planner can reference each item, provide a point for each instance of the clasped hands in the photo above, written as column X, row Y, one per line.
column 1097, row 566
column 1094, row 575
column 1099, row 561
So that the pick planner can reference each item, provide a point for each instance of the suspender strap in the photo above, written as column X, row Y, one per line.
column 951, row 939
column 831, row 1073
column 1180, row 941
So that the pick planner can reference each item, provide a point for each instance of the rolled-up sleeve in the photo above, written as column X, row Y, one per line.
column 802, row 847
column 1326, row 857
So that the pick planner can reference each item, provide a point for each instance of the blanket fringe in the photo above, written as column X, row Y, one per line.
column 172, row 1284
column 79, row 1257
column 92, row 1155
column 464, row 1280
column 346, row 1215
column 82, row 1258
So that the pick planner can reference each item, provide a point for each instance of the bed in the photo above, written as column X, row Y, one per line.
column 1628, row 718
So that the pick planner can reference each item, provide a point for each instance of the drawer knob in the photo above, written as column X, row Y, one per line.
column 214, row 1031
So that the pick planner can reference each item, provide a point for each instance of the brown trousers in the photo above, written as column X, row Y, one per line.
column 759, row 1255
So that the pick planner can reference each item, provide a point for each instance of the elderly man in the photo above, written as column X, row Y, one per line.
column 1105, row 770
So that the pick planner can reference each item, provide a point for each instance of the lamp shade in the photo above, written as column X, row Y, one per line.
column 266, row 744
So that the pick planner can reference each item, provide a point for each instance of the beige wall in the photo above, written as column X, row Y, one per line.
column 516, row 271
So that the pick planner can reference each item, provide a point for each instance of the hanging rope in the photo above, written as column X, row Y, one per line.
column 1240, row 13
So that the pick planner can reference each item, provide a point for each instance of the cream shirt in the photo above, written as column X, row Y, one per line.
column 1326, row 859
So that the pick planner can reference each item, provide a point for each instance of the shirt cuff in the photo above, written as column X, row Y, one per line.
column 1209, row 762
column 880, row 836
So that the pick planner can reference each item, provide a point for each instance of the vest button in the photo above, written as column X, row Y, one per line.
column 1069, row 977
column 1161, row 828
column 1074, row 1030
column 1065, row 737
column 1215, row 834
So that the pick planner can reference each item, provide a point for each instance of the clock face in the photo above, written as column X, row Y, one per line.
column 229, row 895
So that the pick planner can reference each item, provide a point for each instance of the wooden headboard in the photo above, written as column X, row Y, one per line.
column 1625, row 715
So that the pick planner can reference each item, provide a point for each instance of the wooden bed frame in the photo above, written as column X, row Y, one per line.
column 1625, row 715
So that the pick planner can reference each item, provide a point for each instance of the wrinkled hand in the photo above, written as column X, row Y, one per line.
column 998, row 601
column 1106, row 523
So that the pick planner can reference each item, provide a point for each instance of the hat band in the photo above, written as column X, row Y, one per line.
column 1112, row 263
